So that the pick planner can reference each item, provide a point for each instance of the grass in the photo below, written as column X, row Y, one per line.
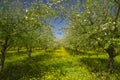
column 59, row 64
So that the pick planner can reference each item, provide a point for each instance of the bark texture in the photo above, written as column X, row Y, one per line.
column 111, row 52
column 3, row 53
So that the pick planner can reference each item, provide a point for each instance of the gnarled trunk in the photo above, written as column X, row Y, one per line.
column 3, row 51
column 111, row 52
column 111, row 64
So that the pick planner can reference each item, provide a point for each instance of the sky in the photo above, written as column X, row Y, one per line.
column 57, row 27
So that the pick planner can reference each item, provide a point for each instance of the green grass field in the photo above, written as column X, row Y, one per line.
column 59, row 64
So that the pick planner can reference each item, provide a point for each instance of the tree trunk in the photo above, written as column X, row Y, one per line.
column 76, row 50
column 29, row 52
column 111, row 52
column 3, row 51
column 110, row 64
column 18, row 50
column 27, row 49
column 45, row 48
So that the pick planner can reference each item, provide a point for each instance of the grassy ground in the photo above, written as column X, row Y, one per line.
column 60, row 64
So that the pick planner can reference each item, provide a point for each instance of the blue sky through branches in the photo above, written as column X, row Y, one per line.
column 58, row 26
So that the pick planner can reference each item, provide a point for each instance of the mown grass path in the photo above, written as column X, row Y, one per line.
column 61, row 53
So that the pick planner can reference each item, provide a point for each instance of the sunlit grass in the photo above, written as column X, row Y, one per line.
column 62, row 54
column 57, row 65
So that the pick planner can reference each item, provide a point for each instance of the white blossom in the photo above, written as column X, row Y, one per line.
column 88, row 12
column 114, row 23
column 49, row 4
column 26, row 10
column 78, row 15
column 32, row 18
column 58, row 1
column 110, row 22
column 98, row 38
column 26, row 17
column 105, row 33
column 104, row 28
column 85, row 20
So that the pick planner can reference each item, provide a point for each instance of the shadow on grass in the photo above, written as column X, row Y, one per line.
column 94, row 64
column 12, row 53
column 37, row 66
column 100, row 66
column 82, row 52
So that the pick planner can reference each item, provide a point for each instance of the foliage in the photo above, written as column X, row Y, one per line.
column 95, row 26
column 21, row 23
